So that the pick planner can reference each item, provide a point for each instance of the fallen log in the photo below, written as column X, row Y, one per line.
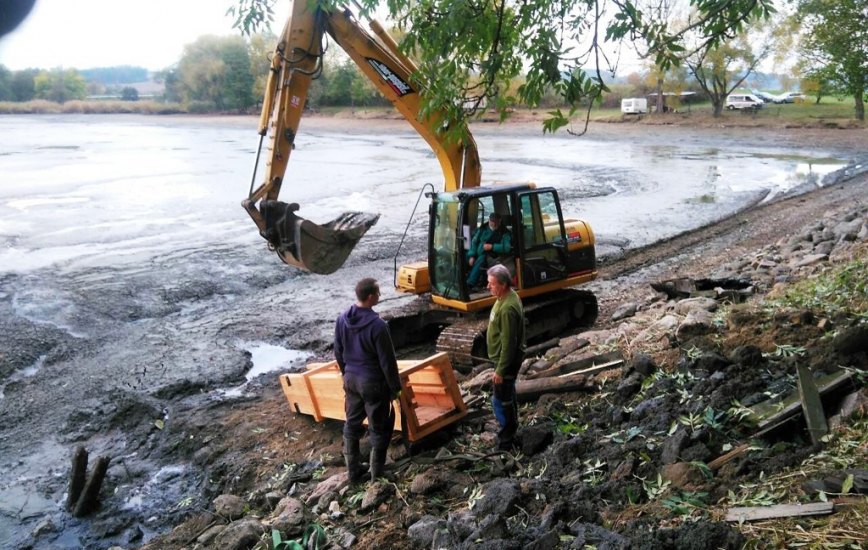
column 588, row 365
column 555, row 355
column 530, row 390
column 779, row 511
column 540, row 348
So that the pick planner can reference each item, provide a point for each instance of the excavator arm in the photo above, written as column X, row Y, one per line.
column 297, row 60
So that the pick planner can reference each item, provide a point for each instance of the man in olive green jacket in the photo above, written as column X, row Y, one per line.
column 506, row 343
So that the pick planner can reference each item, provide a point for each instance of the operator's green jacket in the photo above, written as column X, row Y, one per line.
column 500, row 241
column 506, row 335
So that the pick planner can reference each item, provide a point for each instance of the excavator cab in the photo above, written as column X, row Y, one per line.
column 547, row 251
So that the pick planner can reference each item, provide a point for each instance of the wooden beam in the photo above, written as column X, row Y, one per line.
column 530, row 390
column 779, row 511
column 812, row 405
column 768, row 413
column 588, row 363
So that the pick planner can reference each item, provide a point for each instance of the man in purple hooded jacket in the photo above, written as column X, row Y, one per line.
column 366, row 357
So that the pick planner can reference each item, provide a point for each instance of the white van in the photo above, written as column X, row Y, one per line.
column 743, row 101
column 634, row 105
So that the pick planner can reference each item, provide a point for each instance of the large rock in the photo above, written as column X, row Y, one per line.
column 429, row 481
column 239, row 535
column 684, row 307
column 499, row 497
column 673, row 445
column 624, row 310
column 289, row 516
column 376, row 494
column 696, row 323
column 421, row 533
column 535, row 438
column 851, row 340
column 229, row 506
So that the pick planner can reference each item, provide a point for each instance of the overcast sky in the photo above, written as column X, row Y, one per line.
column 83, row 34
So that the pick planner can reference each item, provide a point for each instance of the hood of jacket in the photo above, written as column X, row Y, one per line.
column 357, row 318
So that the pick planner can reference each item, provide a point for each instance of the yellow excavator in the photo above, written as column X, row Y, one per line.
column 550, row 253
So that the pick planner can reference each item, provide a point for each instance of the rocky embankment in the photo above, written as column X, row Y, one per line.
column 648, row 453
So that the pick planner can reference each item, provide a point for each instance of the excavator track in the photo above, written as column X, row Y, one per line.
column 546, row 316
column 464, row 341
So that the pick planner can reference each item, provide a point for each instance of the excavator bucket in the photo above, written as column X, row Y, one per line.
column 320, row 249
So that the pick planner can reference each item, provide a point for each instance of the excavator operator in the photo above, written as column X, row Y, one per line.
column 489, row 242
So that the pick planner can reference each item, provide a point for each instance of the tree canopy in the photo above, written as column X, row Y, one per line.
column 470, row 51
column 835, row 45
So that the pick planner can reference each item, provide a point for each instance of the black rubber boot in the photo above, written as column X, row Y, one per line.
column 356, row 472
column 378, row 462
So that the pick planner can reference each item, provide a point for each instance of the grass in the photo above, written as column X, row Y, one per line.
column 43, row 107
column 831, row 111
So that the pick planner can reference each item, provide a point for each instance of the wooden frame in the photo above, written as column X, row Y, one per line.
column 429, row 394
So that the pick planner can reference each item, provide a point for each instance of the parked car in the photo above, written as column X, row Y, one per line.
column 789, row 97
column 743, row 101
column 765, row 96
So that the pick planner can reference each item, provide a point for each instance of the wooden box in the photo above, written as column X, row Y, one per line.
column 430, row 397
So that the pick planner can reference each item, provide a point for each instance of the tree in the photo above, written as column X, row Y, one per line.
column 472, row 50
column 6, row 84
column 60, row 85
column 720, row 69
column 22, row 84
column 128, row 93
column 216, row 70
column 836, row 45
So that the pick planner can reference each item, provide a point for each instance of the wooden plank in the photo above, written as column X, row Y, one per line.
column 779, row 511
column 598, row 368
column 812, row 405
column 573, row 366
column 769, row 413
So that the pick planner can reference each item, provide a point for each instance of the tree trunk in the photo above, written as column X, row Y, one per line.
column 659, row 95
column 860, row 105
column 718, row 108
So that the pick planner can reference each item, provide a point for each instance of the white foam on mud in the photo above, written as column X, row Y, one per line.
column 20, row 374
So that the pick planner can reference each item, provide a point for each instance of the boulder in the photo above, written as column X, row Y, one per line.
column 696, row 323
column 427, row 482
column 239, row 535
column 229, row 506
column 499, row 498
column 851, row 340
column 625, row 310
column 421, row 533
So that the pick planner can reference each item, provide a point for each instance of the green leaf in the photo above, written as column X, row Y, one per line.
column 159, row 424
column 847, row 485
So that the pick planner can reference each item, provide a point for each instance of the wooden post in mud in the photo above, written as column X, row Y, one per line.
column 812, row 405
column 77, row 476
column 90, row 496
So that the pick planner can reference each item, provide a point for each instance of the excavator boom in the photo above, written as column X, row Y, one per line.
column 297, row 60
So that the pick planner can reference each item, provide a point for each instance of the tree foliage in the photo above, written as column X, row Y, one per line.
column 60, row 85
column 835, row 45
column 720, row 69
column 470, row 50
column 215, row 70
column 111, row 76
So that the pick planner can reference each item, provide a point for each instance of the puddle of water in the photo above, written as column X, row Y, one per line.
column 265, row 358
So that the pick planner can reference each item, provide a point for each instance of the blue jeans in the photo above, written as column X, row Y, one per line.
column 505, row 411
